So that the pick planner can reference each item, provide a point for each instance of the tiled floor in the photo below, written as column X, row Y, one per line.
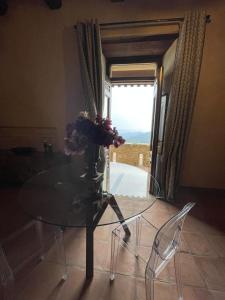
column 203, row 271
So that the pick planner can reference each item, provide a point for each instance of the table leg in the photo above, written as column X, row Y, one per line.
column 92, row 223
column 115, row 207
column 98, row 216
column 89, row 252
column 90, row 240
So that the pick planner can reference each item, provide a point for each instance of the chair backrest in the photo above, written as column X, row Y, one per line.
column 10, row 262
column 167, row 242
column 6, row 277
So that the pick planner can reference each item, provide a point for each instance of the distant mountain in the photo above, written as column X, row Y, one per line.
column 136, row 137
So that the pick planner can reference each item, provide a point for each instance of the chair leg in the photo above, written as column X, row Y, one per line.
column 115, row 207
column 61, row 250
column 149, row 288
column 138, row 235
column 39, row 230
column 114, row 255
column 9, row 290
column 6, row 277
column 177, row 264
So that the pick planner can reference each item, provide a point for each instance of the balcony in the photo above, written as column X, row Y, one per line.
column 129, row 170
column 138, row 155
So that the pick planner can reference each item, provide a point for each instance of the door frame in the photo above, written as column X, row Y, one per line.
column 156, row 119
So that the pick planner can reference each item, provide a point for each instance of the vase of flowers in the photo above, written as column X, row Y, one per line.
column 85, row 136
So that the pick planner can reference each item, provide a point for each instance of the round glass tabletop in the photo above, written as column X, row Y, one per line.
column 62, row 196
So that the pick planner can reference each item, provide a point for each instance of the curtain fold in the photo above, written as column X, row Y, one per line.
column 182, row 98
column 90, row 53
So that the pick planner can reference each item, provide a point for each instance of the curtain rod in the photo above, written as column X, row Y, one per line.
column 171, row 20
column 146, row 22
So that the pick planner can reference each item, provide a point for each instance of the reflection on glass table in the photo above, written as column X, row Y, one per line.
column 64, row 197
column 130, row 186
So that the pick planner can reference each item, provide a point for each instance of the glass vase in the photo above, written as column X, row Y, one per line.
column 92, row 157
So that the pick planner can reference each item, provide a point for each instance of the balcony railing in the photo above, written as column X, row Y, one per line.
column 132, row 154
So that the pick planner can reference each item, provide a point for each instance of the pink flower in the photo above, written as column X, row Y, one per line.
column 84, row 131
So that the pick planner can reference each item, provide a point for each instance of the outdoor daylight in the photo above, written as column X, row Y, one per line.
column 131, row 112
column 112, row 150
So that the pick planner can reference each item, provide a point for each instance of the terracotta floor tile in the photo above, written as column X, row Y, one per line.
column 192, row 224
column 148, row 234
column 75, row 251
column 196, row 243
column 158, row 216
column 103, row 233
column 126, row 262
column 217, row 243
column 101, row 250
column 217, row 295
column 163, row 291
column 195, row 225
column 213, row 271
column 159, row 206
column 190, row 272
column 168, row 274
column 183, row 244
column 202, row 274
column 145, row 252
column 192, row 293
column 139, row 292
column 40, row 282
column 123, row 287
column 77, row 288
column 72, row 233
column 209, row 229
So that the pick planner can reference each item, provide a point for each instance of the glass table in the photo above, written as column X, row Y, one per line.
column 64, row 197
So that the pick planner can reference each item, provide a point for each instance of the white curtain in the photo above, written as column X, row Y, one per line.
column 182, row 98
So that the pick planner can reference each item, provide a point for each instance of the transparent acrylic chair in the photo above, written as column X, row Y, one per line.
column 7, row 277
column 166, row 245
column 8, row 272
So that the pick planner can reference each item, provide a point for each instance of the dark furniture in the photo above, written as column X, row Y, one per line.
column 18, row 165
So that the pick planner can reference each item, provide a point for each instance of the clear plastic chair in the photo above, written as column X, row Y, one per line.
column 166, row 245
column 6, row 276
column 8, row 271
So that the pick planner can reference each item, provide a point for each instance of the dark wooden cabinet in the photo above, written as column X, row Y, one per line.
column 15, row 169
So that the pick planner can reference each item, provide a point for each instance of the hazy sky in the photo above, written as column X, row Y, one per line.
column 132, row 107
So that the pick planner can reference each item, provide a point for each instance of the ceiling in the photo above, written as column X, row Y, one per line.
column 133, row 70
column 138, row 46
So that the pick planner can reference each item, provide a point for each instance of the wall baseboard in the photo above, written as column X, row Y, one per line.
column 200, row 190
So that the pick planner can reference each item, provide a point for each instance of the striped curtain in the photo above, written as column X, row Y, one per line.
column 91, row 60
column 90, row 54
column 182, row 98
